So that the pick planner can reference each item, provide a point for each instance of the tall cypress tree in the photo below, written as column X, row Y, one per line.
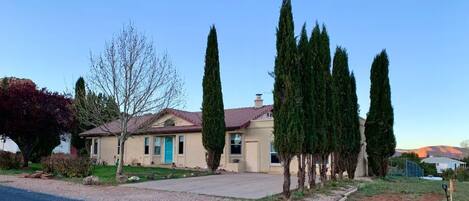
column 354, row 142
column 304, row 59
column 340, row 92
column 325, row 60
column 80, row 97
column 213, row 117
column 288, row 115
column 319, row 61
column 379, row 132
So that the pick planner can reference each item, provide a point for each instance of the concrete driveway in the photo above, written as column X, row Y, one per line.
column 242, row 185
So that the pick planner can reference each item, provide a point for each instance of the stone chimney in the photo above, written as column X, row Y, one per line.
column 258, row 102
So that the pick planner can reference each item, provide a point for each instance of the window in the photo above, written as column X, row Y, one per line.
column 181, row 144
column 147, row 146
column 273, row 154
column 157, row 146
column 118, row 146
column 95, row 146
column 235, row 143
column 169, row 122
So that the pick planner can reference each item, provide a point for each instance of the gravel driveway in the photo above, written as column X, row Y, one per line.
column 98, row 193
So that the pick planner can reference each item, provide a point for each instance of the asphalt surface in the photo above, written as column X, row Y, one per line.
column 15, row 194
column 242, row 185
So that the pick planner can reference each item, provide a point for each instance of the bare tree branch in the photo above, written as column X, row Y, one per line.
column 140, row 81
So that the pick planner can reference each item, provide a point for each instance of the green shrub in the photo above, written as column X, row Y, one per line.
column 428, row 169
column 10, row 160
column 448, row 174
column 462, row 174
column 67, row 165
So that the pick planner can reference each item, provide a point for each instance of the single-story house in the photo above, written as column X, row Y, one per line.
column 443, row 163
column 174, row 137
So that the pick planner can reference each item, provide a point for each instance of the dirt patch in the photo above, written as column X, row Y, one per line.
column 431, row 197
column 402, row 197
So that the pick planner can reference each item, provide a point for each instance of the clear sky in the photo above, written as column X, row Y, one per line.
column 426, row 41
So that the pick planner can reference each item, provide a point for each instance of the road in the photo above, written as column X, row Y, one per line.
column 15, row 194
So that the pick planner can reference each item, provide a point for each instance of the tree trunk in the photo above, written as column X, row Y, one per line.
column 333, row 166
column 311, row 171
column 301, row 171
column 213, row 161
column 286, row 177
column 26, row 153
column 323, row 169
column 25, row 159
column 120, row 163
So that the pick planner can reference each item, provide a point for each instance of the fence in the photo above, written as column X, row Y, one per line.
column 405, row 168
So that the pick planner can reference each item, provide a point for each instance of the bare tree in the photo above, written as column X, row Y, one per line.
column 465, row 144
column 138, row 79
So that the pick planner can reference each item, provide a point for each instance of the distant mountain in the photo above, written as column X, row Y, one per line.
column 441, row 151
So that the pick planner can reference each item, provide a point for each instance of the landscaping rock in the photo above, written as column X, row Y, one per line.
column 91, row 180
column 46, row 176
column 134, row 179
column 36, row 175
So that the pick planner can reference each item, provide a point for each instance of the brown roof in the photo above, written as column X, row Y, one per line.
column 234, row 119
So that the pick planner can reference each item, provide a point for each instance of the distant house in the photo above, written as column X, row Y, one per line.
column 443, row 163
column 436, row 151
column 175, row 137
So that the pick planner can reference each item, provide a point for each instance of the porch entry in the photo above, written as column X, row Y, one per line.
column 168, row 150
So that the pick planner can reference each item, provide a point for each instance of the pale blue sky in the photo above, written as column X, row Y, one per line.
column 50, row 41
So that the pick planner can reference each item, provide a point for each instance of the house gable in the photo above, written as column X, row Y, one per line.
column 160, row 122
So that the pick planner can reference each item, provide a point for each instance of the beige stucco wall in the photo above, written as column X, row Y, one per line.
column 258, row 133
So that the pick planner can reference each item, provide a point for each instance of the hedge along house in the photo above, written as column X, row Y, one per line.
column 173, row 137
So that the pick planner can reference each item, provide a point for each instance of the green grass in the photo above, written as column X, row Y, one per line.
column 409, row 187
column 326, row 189
column 32, row 168
column 107, row 174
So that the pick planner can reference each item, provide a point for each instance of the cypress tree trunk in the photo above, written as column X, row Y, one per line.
column 286, row 176
column 323, row 169
column 301, row 171
column 311, row 171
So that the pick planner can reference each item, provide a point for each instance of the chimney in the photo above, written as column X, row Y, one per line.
column 258, row 102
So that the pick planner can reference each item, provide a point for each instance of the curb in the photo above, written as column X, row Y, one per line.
column 345, row 195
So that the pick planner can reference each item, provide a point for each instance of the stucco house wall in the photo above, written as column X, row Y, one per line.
column 255, row 149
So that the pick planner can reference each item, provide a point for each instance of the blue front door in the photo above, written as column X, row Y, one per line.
column 168, row 150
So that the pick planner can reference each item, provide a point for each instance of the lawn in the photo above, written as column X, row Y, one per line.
column 311, row 194
column 107, row 174
column 32, row 168
column 408, row 188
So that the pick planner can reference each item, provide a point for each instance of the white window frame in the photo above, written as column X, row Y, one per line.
column 241, row 144
column 271, row 151
column 146, row 142
column 155, row 139
column 183, row 144
column 95, row 150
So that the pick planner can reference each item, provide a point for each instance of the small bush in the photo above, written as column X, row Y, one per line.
column 428, row 169
column 448, row 174
column 462, row 174
column 67, row 165
column 10, row 160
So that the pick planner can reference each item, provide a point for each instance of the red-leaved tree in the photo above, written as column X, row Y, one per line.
column 34, row 118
